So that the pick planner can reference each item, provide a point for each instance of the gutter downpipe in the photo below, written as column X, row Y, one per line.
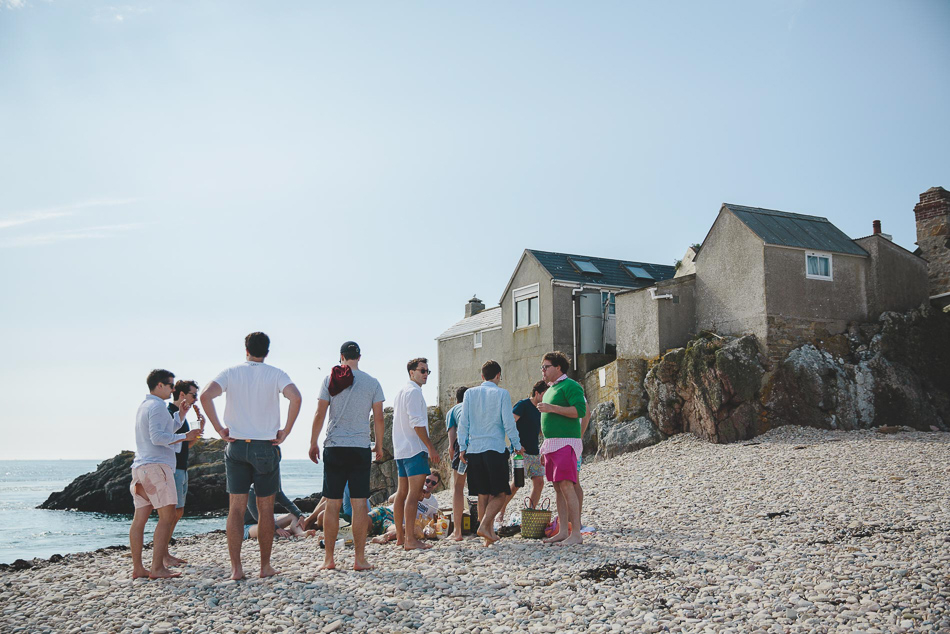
column 574, row 320
column 653, row 294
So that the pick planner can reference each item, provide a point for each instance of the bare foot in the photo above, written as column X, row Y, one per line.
column 415, row 544
column 328, row 564
column 162, row 573
column 572, row 540
column 489, row 539
column 237, row 573
column 560, row 537
column 362, row 565
column 379, row 540
column 458, row 538
column 268, row 571
column 171, row 560
column 138, row 573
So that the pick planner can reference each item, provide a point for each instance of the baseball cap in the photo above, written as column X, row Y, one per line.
column 350, row 348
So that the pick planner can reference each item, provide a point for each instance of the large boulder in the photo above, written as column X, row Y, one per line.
column 106, row 490
column 709, row 389
column 629, row 435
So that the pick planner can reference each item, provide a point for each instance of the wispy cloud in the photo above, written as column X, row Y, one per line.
column 17, row 218
column 85, row 233
column 12, row 4
column 118, row 13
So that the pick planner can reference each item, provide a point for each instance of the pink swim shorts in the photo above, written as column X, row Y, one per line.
column 158, row 481
column 561, row 465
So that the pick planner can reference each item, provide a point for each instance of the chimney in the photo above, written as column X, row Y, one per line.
column 474, row 306
column 933, row 237
column 877, row 227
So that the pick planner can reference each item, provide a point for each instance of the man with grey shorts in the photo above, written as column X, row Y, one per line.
column 252, row 429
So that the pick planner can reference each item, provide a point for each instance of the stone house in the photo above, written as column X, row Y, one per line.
column 786, row 278
column 553, row 301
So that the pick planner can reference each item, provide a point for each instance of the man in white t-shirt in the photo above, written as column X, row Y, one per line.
column 413, row 450
column 252, row 429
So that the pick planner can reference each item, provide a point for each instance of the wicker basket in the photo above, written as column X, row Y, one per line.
column 534, row 521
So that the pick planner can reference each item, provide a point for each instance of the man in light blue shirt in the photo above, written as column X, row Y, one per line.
column 484, row 421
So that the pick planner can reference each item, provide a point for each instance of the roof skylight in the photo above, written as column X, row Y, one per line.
column 586, row 266
column 638, row 272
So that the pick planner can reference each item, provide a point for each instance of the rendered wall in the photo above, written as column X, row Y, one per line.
column 897, row 279
column 460, row 363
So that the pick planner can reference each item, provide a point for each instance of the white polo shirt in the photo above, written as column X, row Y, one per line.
column 409, row 412
column 253, row 392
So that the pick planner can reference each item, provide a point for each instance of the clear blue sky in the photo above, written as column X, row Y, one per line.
column 176, row 175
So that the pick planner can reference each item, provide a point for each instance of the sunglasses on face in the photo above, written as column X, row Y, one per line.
column 426, row 371
column 431, row 482
column 545, row 367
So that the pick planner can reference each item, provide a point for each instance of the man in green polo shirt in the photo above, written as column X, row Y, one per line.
column 562, row 409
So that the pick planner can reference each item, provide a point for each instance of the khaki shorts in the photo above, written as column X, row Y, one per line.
column 158, row 481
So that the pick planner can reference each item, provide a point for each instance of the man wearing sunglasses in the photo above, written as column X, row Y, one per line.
column 382, row 516
column 413, row 451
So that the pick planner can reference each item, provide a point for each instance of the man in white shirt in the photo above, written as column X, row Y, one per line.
column 153, row 473
column 413, row 450
column 252, row 429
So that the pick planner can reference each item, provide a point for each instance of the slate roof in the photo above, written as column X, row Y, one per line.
column 612, row 272
column 786, row 229
column 485, row 320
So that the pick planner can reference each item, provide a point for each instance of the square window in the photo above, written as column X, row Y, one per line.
column 586, row 266
column 818, row 266
column 637, row 272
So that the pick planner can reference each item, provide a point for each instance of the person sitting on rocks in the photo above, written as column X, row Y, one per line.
column 289, row 525
column 382, row 518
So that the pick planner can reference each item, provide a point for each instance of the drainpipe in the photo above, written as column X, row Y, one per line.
column 653, row 294
column 574, row 320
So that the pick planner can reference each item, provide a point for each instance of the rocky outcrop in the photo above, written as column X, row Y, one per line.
column 608, row 436
column 106, row 490
column 893, row 372
column 710, row 389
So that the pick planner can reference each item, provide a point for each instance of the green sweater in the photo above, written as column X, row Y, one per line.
column 566, row 393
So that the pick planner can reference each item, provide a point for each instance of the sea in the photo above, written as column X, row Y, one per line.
column 27, row 532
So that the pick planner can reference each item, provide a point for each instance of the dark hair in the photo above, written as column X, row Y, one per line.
column 183, row 386
column 158, row 376
column 539, row 388
column 350, row 350
column 438, row 475
column 490, row 369
column 558, row 359
column 460, row 394
column 257, row 344
column 414, row 364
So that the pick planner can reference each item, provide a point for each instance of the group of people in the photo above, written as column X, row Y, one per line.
column 481, row 428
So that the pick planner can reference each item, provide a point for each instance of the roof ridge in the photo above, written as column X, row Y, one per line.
column 776, row 212
column 599, row 257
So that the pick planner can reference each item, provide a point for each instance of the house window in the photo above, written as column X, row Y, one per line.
column 637, row 272
column 585, row 266
column 608, row 299
column 478, row 339
column 818, row 266
column 527, row 306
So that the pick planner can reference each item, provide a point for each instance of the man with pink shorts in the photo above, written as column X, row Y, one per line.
column 562, row 409
column 153, row 473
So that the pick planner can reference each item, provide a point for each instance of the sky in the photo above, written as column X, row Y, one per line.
column 174, row 176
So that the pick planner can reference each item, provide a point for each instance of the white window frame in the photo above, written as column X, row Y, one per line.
column 831, row 268
column 478, row 339
column 525, row 293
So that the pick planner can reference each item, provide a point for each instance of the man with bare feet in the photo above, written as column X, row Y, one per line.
column 252, row 429
column 458, row 479
column 350, row 395
column 187, row 392
column 289, row 525
column 413, row 450
column 153, row 473
column 562, row 409
column 485, row 420
column 528, row 419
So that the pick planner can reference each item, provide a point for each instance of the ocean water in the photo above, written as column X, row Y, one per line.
column 27, row 532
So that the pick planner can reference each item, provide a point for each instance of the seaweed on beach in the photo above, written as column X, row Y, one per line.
column 864, row 531
column 612, row 571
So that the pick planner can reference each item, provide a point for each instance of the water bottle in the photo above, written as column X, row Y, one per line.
column 519, row 470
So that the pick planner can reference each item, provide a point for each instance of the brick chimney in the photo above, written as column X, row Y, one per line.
column 474, row 306
column 877, row 226
column 933, row 237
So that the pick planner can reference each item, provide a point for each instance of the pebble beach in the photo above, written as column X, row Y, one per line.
column 798, row 530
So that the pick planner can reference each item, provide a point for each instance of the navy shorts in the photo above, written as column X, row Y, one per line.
column 342, row 465
column 256, row 462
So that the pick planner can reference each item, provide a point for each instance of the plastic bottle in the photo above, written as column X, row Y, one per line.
column 519, row 469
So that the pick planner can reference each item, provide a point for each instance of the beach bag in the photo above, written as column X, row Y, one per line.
column 534, row 521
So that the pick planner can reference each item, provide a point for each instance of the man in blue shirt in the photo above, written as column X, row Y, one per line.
column 484, row 422
column 458, row 479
